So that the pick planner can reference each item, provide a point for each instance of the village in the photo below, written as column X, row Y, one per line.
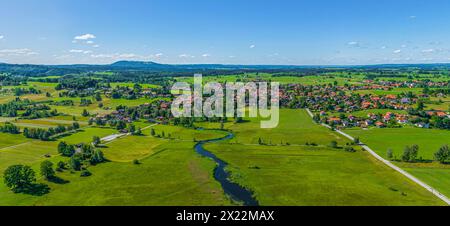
column 335, row 105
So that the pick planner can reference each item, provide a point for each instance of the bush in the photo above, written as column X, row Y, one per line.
column 47, row 169
column 85, row 173
column 349, row 149
column 333, row 144
column 136, row 162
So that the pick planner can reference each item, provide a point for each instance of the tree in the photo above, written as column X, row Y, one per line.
column 443, row 154
column 85, row 173
column 414, row 153
column 356, row 140
column 420, row 105
column 333, row 144
column 410, row 153
column 65, row 149
column 75, row 162
column 152, row 132
column 131, row 128
column 85, row 113
column 406, row 154
column 47, row 169
column 390, row 154
column 96, row 141
column 76, row 125
column 121, row 125
column 138, row 132
column 260, row 141
column 97, row 157
column 60, row 166
column 19, row 177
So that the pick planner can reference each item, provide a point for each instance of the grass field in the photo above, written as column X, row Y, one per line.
column 170, row 173
column 285, row 171
column 309, row 175
column 295, row 127
column 174, row 175
column 429, row 141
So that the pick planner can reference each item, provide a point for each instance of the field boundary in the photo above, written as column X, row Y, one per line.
column 391, row 165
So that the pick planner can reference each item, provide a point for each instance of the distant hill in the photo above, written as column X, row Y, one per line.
column 34, row 70
column 140, row 64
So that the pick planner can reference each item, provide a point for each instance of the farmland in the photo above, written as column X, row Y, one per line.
column 429, row 141
column 149, row 157
column 313, row 175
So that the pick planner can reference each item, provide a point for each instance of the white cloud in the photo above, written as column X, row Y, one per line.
column 412, row 17
column 85, row 37
column 95, row 46
column 353, row 43
column 80, row 51
column 428, row 50
column 252, row 46
column 120, row 56
column 397, row 51
column 90, row 42
column 16, row 52
column 2, row 37
column 185, row 56
column 206, row 55
column 156, row 56
column 383, row 47
column 403, row 46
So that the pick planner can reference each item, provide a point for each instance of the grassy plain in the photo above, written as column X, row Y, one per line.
column 307, row 175
column 429, row 141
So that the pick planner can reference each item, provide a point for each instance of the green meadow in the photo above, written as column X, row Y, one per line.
column 169, row 173
column 312, row 175
column 429, row 141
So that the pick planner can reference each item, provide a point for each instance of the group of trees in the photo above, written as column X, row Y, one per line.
column 85, row 152
column 410, row 154
column 46, row 134
column 35, row 113
column 19, row 178
column 9, row 128
column 18, row 91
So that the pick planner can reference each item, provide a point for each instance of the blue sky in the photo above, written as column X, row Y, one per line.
column 225, row 31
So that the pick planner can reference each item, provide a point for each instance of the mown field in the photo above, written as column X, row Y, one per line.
column 307, row 175
column 287, row 170
column 429, row 141
column 169, row 173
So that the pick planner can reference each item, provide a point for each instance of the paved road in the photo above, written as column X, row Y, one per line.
column 111, row 138
column 396, row 168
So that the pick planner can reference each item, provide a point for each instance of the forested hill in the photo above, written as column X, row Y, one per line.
column 43, row 70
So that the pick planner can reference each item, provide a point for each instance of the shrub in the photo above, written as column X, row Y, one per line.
column 85, row 173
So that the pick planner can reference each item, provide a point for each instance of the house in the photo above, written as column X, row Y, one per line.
column 368, row 122
column 335, row 120
column 422, row 125
column 441, row 114
column 391, row 97
column 380, row 124
column 405, row 100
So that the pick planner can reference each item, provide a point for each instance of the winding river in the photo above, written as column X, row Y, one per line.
column 235, row 191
